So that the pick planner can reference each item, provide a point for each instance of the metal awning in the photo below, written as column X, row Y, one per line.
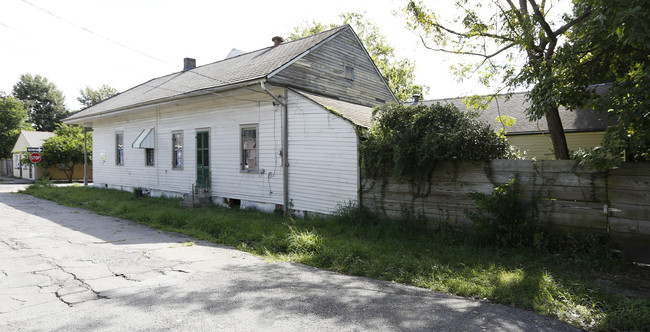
column 145, row 140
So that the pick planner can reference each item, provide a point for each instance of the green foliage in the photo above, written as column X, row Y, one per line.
column 12, row 121
column 611, row 47
column 514, row 44
column 90, row 96
column 398, row 73
column 500, row 218
column 65, row 149
column 369, row 247
column 355, row 242
column 44, row 102
column 408, row 141
column 303, row 241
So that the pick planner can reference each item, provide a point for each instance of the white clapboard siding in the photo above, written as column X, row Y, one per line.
column 323, row 158
column 222, row 116
column 323, row 153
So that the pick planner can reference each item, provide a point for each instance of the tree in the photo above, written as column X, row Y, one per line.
column 612, row 46
column 515, row 43
column 90, row 96
column 65, row 149
column 398, row 73
column 12, row 121
column 44, row 102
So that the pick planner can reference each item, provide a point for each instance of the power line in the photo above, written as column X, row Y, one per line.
column 98, row 35
column 131, row 49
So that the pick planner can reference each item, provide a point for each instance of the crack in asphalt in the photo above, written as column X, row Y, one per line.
column 98, row 296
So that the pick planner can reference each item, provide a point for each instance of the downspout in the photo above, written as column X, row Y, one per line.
column 285, row 147
column 85, row 157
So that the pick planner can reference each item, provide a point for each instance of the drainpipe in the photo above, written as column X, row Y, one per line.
column 85, row 157
column 285, row 147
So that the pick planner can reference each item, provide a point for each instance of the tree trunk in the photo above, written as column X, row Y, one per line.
column 556, row 131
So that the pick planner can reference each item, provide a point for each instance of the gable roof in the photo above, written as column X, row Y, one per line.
column 580, row 120
column 357, row 114
column 230, row 72
column 30, row 139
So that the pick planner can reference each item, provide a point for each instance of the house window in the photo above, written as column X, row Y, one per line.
column 349, row 72
column 16, row 161
column 177, row 149
column 119, row 148
column 249, row 148
column 149, row 157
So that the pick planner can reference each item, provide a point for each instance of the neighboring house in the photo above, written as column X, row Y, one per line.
column 272, row 128
column 28, row 139
column 582, row 128
column 34, row 139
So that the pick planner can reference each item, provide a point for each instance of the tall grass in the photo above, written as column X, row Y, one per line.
column 561, row 283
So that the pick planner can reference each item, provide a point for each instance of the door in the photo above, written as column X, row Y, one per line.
column 202, row 159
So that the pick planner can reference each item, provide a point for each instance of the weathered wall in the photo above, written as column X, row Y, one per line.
column 323, row 71
column 323, row 156
column 557, row 193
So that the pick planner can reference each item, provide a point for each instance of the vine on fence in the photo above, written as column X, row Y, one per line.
column 407, row 142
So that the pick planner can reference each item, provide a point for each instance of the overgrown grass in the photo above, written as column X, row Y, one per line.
column 578, row 284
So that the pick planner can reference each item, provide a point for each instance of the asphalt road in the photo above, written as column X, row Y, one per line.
column 68, row 269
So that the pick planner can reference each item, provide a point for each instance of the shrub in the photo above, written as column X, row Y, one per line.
column 408, row 141
column 500, row 217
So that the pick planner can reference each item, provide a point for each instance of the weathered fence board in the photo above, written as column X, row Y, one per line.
column 556, row 193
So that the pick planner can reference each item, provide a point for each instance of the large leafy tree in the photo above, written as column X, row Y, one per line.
column 398, row 73
column 44, row 102
column 65, row 149
column 12, row 121
column 613, row 47
column 515, row 43
column 89, row 96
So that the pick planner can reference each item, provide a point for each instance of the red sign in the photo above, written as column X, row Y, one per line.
column 35, row 158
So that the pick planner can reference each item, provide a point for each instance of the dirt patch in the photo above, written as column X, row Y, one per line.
column 633, row 283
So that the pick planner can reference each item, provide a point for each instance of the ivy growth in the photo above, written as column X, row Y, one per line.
column 500, row 218
column 407, row 142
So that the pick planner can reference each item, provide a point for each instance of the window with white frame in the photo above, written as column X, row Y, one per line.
column 249, row 161
column 177, row 149
column 16, row 161
column 119, row 148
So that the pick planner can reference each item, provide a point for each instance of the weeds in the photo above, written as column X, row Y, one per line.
column 554, row 277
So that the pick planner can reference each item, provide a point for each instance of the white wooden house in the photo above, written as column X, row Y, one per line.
column 28, row 139
column 273, row 128
column 27, row 170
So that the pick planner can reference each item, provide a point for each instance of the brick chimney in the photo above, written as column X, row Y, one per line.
column 189, row 63
column 277, row 40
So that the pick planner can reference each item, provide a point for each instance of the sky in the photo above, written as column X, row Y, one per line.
column 123, row 43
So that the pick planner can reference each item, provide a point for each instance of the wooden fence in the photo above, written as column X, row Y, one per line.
column 6, row 167
column 556, row 193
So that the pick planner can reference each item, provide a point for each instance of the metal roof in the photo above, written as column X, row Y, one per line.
column 222, row 74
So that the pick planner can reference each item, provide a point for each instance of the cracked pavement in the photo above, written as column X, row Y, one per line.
column 69, row 269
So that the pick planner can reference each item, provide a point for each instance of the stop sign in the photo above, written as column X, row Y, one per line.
column 35, row 158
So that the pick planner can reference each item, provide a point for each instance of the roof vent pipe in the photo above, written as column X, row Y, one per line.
column 277, row 40
column 189, row 63
column 416, row 98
